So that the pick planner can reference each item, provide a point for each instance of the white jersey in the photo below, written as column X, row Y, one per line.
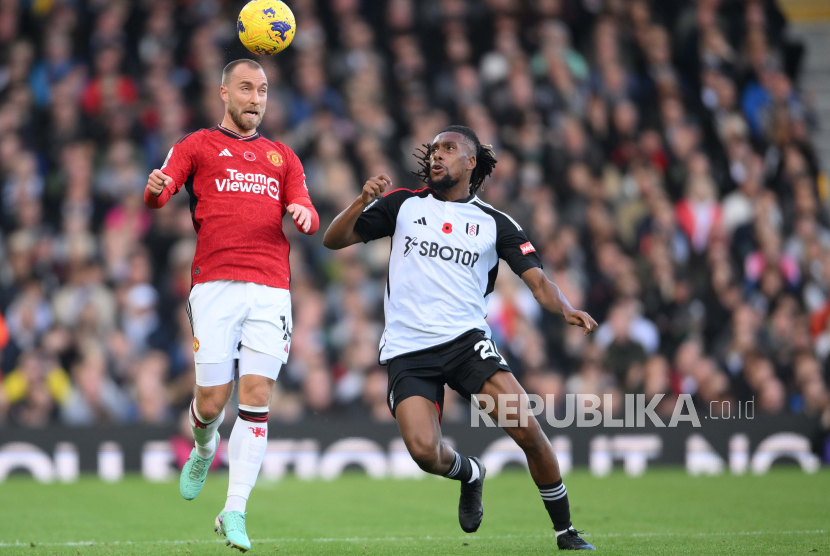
column 443, row 265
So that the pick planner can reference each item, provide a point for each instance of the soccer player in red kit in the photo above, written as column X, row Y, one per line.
column 240, row 186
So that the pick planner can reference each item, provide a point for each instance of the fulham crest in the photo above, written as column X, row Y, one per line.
column 472, row 229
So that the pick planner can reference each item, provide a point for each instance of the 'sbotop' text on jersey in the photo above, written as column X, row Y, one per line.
column 443, row 265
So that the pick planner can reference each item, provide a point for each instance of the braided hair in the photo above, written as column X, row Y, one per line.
column 485, row 158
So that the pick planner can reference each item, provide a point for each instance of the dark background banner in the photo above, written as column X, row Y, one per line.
column 584, row 442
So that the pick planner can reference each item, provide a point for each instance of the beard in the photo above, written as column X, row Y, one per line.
column 444, row 184
column 240, row 121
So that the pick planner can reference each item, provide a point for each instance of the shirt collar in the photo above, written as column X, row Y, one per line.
column 234, row 135
column 464, row 200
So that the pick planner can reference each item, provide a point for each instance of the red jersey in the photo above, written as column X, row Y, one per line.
column 239, row 189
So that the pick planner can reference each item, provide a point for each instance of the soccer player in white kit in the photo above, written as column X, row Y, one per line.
column 446, row 246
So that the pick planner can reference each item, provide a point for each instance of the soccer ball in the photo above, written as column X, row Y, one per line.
column 266, row 26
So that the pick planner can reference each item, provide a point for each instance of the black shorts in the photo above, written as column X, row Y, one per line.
column 464, row 363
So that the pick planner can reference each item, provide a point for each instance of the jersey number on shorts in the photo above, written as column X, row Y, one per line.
column 487, row 348
column 285, row 328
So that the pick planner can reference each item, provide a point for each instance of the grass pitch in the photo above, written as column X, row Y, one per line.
column 663, row 512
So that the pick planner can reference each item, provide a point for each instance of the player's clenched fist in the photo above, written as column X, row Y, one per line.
column 374, row 188
column 157, row 181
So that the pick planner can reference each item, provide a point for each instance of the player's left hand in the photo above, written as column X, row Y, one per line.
column 301, row 215
column 583, row 319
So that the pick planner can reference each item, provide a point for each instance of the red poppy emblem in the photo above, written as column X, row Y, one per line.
column 447, row 229
column 249, row 156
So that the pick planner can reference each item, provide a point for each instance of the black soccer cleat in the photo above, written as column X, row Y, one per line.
column 470, row 508
column 570, row 540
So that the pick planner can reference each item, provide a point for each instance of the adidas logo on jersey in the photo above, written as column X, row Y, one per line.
column 225, row 152
column 421, row 220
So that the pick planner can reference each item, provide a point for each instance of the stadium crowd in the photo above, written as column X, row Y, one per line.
column 657, row 154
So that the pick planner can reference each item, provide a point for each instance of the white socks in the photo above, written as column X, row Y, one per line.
column 204, row 433
column 235, row 503
column 246, row 448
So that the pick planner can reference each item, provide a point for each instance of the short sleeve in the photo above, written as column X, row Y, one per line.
column 379, row 218
column 513, row 246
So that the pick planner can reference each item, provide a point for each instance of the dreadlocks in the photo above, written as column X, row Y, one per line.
column 485, row 158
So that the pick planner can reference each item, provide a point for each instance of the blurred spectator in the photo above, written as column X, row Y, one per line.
column 94, row 398
column 35, row 389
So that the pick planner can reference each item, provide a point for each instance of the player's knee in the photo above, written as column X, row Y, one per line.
column 425, row 452
column 209, row 408
column 211, row 400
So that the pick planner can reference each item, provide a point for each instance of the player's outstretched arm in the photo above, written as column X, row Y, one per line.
column 341, row 232
column 551, row 298
column 158, row 191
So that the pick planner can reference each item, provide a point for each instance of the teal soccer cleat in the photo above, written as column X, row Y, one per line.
column 232, row 526
column 195, row 472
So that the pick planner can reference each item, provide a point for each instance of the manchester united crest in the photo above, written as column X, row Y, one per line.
column 275, row 158
column 195, row 345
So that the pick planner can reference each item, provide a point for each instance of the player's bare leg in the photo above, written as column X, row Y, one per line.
column 207, row 411
column 211, row 400
column 247, row 443
column 541, row 460
column 420, row 427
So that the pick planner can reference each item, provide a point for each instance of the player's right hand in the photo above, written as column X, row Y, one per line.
column 157, row 182
column 374, row 188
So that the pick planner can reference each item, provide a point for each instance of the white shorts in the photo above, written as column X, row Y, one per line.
column 225, row 314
